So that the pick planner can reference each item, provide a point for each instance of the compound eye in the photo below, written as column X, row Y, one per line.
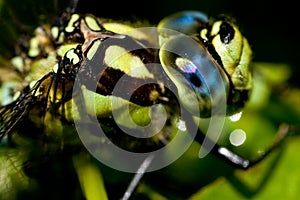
column 226, row 32
column 195, row 74
column 187, row 22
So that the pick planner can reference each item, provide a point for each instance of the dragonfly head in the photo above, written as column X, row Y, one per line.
column 211, row 59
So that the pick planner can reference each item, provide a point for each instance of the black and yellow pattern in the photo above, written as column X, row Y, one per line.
column 102, row 53
column 100, row 50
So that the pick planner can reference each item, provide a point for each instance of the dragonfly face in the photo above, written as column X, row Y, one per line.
column 221, row 50
column 214, row 62
column 202, row 62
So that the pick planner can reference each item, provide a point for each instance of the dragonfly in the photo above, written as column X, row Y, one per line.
column 86, row 74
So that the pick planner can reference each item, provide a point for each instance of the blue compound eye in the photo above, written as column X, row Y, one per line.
column 190, row 72
column 188, row 22
column 194, row 72
column 221, row 49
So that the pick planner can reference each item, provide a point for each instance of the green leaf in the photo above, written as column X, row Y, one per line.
column 90, row 179
column 277, row 177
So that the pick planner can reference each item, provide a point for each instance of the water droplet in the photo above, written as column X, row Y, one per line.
column 237, row 137
column 235, row 117
column 181, row 125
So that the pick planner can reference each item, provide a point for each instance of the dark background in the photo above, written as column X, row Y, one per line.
column 270, row 26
